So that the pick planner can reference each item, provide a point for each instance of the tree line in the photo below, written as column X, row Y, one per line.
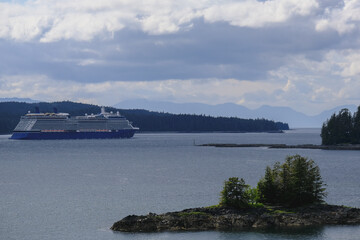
column 10, row 113
column 342, row 128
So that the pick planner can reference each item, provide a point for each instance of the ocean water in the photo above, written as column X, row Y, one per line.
column 76, row 189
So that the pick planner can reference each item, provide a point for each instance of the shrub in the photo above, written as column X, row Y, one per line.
column 253, row 194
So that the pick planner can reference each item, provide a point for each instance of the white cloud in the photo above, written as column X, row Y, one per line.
column 302, row 83
column 350, row 63
column 306, row 85
column 343, row 20
column 257, row 14
column 83, row 20
column 314, row 85
column 22, row 22
column 90, row 61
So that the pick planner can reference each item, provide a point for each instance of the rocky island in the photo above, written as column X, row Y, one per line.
column 225, row 218
column 289, row 195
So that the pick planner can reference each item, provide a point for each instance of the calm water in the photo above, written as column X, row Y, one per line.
column 76, row 189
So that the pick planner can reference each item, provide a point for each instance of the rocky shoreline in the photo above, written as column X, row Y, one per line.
column 222, row 218
column 300, row 146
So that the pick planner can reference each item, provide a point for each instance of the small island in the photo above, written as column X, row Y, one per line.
column 225, row 218
column 289, row 195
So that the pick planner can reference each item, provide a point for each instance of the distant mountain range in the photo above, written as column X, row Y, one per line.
column 284, row 114
column 294, row 118
column 15, row 99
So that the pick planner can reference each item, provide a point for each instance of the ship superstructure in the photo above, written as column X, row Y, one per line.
column 63, row 126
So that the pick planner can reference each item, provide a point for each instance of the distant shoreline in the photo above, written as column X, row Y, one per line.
column 275, row 131
column 284, row 146
column 152, row 132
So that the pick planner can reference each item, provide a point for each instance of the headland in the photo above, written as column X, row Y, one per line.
column 300, row 146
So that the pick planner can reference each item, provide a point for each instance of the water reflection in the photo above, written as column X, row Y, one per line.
column 304, row 233
column 313, row 233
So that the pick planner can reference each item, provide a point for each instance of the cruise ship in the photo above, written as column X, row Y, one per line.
column 62, row 126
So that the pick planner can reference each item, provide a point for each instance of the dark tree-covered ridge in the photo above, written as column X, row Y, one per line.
column 10, row 113
column 342, row 128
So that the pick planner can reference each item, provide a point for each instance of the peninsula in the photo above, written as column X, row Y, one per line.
column 300, row 146
column 147, row 121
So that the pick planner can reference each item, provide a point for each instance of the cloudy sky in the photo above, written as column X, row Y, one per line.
column 302, row 54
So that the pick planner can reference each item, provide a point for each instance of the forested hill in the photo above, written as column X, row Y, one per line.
column 10, row 113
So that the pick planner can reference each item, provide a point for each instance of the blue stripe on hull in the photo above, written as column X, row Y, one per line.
column 126, row 133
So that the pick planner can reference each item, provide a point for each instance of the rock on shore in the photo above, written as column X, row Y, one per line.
column 221, row 218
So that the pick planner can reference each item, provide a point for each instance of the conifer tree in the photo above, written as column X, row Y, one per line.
column 268, row 187
column 341, row 128
column 356, row 129
column 294, row 183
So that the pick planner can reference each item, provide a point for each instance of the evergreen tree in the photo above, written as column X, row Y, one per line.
column 344, row 126
column 285, row 182
column 268, row 189
column 294, row 183
column 356, row 128
column 341, row 128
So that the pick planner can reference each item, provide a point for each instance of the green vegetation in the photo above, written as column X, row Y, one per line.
column 234, row 193
column 237, row 194
column 294, row 183
column 213, row 206
column 256, row 205
column 10, row 113
column 282, row 212
column 253, row 194
column 342, row 128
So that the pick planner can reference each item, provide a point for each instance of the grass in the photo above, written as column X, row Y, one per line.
column 213, row 206
column 251, row 205
column 281, row 212
column 256, row 205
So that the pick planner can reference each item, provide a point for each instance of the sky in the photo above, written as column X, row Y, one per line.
column 301, row 54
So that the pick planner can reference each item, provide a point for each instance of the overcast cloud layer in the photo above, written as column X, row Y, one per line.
column 302, row 54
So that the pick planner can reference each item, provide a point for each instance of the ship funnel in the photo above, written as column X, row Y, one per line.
column 55, row 110
column 37, row 110
column 103, row 110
